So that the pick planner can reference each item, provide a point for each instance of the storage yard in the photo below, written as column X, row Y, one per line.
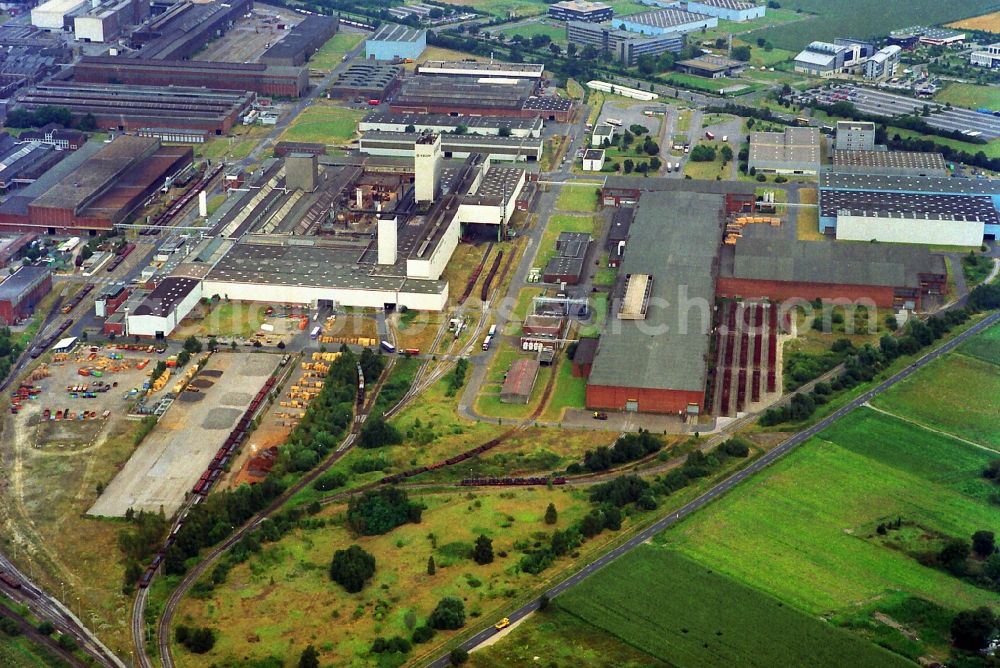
column 165, row 468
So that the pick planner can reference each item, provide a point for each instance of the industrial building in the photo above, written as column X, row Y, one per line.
column 652, row 355
column 593, row 159
column 126, row 107
column 624, row 46
column 21, row 291
column 164, row 308
column 794, row 151
column 889, row 163
column 581, row 10
column 482, row 70
column 446, row 95
column 764, row 265
column 368, row 80
column 23, row 162
column 401, row 144
column 909, row 209
column 271, row 80
column 53, row 134
column 396, row 42
column 571, row 254
column 110, row 20
column 855, row 136
column 711, row 67
column 988, row 56
column 29, row 54
column 520, row 380
column 175, row 135
column 383, row 121
column 823, row 59
column 185, row 28
column 621, row 223
column 883, row 64
column 662, row 21
column 729, row 10
column 930, row 36
column 301, row 42
column 95, row 187
column 56, row 15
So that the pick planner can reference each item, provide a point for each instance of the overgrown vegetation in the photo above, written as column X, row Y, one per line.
column 352, row 568
column 382, row 510
column 456, row 378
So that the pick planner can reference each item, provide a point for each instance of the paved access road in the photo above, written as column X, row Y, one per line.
column 726, row 485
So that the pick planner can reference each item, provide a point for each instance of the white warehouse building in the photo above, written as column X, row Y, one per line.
column 164, row 308
column 51, row 15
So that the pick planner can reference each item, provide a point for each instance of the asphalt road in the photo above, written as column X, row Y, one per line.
column 724, row 486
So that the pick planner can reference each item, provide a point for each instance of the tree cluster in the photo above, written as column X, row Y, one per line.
column 627, row 448
column 449, row 614
column 197, row 640
column 377, row 433
column 382, row 510
column 352, row 568
column 23, row 118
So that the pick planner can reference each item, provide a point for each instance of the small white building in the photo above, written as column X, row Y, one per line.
column 593, row 160
column 624, row 91
column 164, row 308
column 602, row 133
column 988, row 57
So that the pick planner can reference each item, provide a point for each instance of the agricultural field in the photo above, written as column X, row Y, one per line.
column 985, row 346
column 684, row 613
column 987, row 22
column 957, row 408
column 969, row 95
column 324, row 123
column 862, row 18
column 812, row 516
column 578, row 199
column 332, row 53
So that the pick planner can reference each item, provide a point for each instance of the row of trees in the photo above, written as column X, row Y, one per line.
column 627, row 448
column 23, row 118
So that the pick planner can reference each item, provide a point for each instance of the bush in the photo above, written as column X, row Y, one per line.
column 422, row 634
column 387, row 646
column 380, row 511
column 482, row 553
column 197, row 640
column 448, row 615
column 702, row 153
column 352, row 568
column 620, row 491
column 458, row 656
column 377, row 433
column 329, row 481
column 971, row 630
column 736, row 446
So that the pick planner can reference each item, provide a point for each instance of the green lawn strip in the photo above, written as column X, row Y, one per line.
column 956, row 394
column 324, row 124
column 559, row 223
column 969, row 95
column 811, row 518
column 687, row 614
column 332, row 53
column 569, row 392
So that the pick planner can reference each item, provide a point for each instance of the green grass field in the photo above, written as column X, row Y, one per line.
column 556, row 33
column 20, row 652
column 991, row 149
column 688, row 615
column 985, row 346
column 324, row 124
column 970, row 95
column 863, row 18
column 581, row 199
column 956, row 394
column 569, row 392
column 332, row 53
column 811, row 517
column 707, row 171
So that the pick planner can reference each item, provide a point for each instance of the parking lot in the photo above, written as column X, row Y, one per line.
column 172, row 457
column 880, row 103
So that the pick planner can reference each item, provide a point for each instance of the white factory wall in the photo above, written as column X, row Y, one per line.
column 401, row 127
column 149, row 325
column 285, row 294
column 50, row 15
column 432, row 267
column 910, row 230
column 89, row 28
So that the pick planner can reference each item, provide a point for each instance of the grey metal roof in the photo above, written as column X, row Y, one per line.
column 675, row 238
column 665, row 18
column 765, row 256
column 915, row 184
column 444, row 121
column 22, row 280
column 914, row 160
column 391, row 32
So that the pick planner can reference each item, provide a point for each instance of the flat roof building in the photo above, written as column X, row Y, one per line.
column 125, row 107
column 794, row 151
column 711, row 66
column 481, row 69
column 568, row 263
column 401, row 144
column 396, row 42
column 302, row 41
column 626, row 47
column 52, row 15
column 855, row 136
column 184, row 28
column 22, row 163
column 656, row 360
column 387, row 121
column 729, row 10
column 275, row 80
column 890, row 163
column 765, row 265
column 164, row 308
column 581, row 10
column 370, row 79
column 460, row 96
column 662, row 21
column 988, row 56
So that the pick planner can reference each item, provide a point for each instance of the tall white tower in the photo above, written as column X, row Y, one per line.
column 427, row 157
